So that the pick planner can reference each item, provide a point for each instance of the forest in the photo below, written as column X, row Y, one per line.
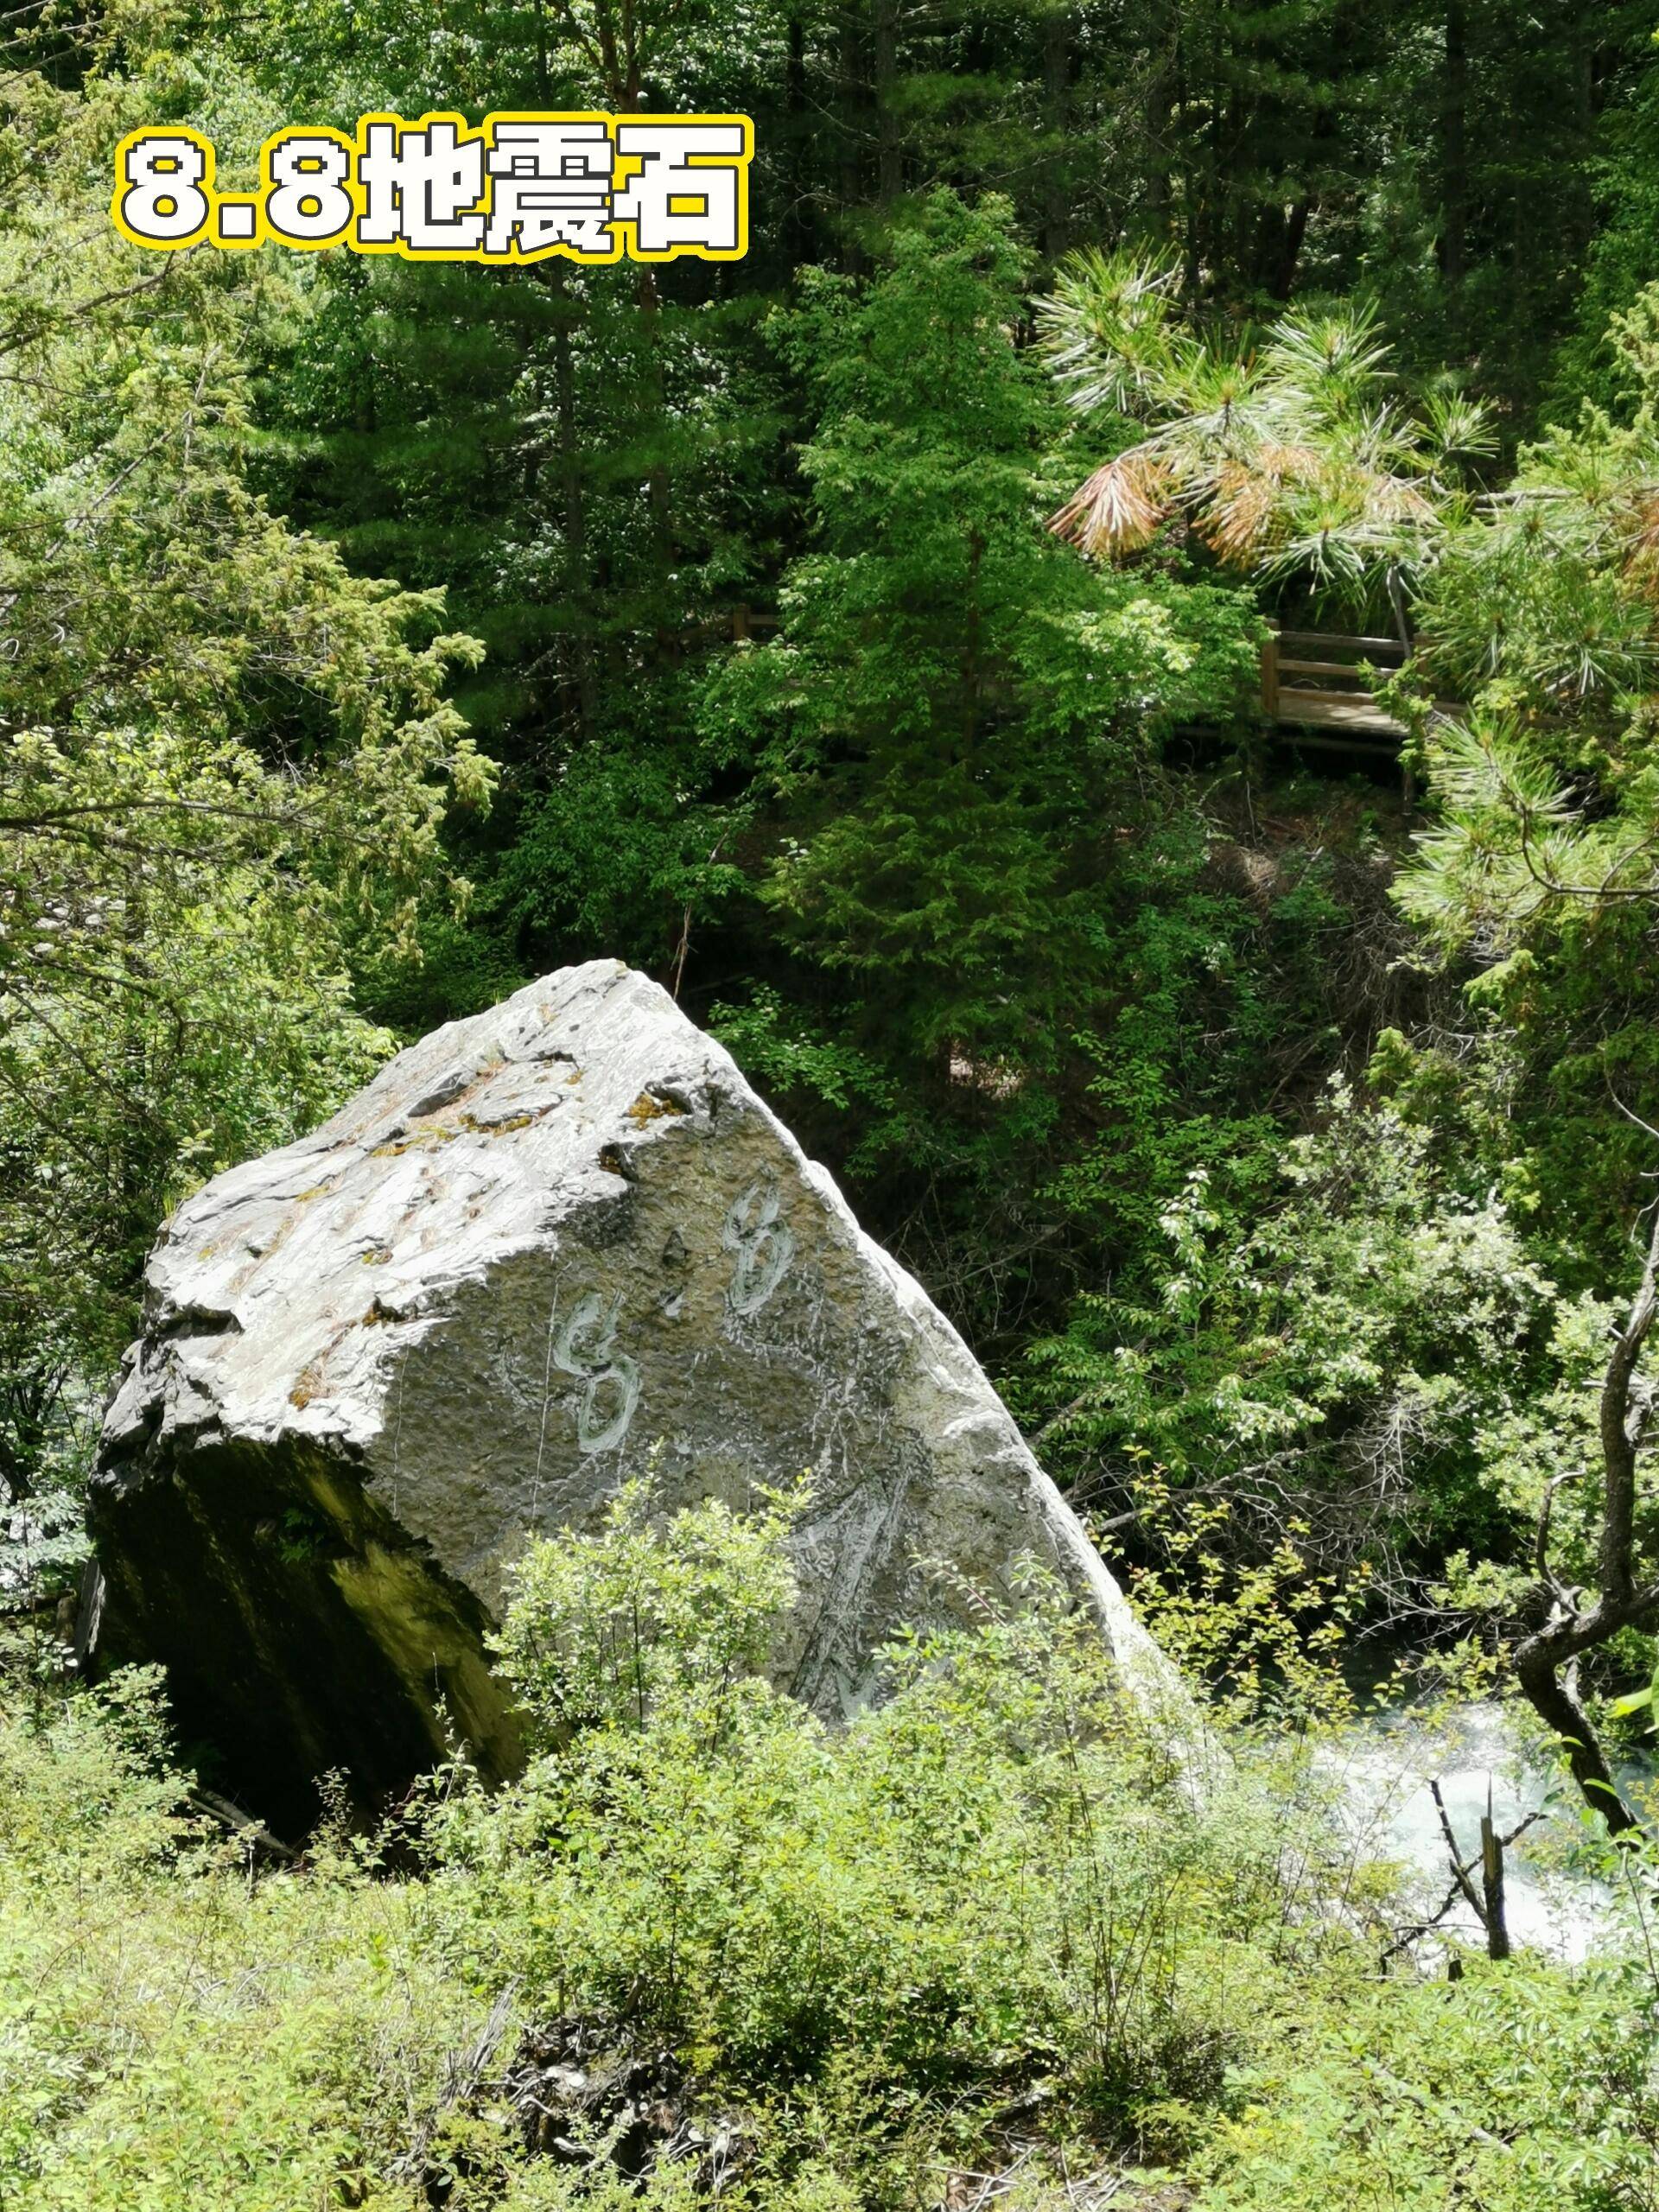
column 865, row 639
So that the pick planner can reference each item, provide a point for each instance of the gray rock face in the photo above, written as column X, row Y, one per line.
column 548, row 1248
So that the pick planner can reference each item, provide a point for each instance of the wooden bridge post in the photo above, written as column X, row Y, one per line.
column 1270, row 674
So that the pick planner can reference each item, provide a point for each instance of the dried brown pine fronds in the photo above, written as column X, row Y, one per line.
column 1286, row 463
column 1241, row 515
column 1119, row 508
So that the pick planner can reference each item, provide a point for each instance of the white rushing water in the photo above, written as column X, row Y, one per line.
column 1387, row 1764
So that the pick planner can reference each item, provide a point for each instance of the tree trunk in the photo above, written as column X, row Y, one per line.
column 885, row 57
column 800, row 224
column 1284, row 230
column 1056, row 79
column 585, row 683
column 851, row 172
column 1558, row 1706
column 1546, row 1661
column 1161, row 64
column 1495, row 1915
column 1454, row 160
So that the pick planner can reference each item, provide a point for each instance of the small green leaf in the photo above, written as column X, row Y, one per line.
column 1634, row 1702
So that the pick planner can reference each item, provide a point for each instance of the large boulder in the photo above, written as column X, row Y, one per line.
column 547, row 1249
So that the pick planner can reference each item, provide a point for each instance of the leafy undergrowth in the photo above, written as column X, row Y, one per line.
column 176, row 2029
column 1009, row 1938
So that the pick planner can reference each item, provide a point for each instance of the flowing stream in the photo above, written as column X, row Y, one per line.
column 1387, row 1762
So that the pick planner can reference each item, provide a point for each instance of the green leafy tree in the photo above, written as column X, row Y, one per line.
column 1541, row 610
column 951, row 714
column 584, row 458
column 949, row 689
column 1328, row 1354
column 225, row 760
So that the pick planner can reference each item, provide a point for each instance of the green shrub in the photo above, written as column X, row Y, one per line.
column 1000, row 1923
column 174, row 2032
column 1521, row 2086
column 999, row 1878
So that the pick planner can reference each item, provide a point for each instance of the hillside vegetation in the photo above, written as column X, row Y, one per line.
column 863, row 638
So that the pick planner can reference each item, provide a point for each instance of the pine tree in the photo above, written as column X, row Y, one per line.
column 952, row 687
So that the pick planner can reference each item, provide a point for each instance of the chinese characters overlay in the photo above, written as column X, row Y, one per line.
column 519, row 188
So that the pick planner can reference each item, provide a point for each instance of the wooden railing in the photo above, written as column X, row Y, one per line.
column 1311, row 681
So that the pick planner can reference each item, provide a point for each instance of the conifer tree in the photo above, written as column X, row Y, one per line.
column 952, row 689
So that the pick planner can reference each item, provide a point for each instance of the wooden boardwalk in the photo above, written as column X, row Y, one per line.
column 1313, row 688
